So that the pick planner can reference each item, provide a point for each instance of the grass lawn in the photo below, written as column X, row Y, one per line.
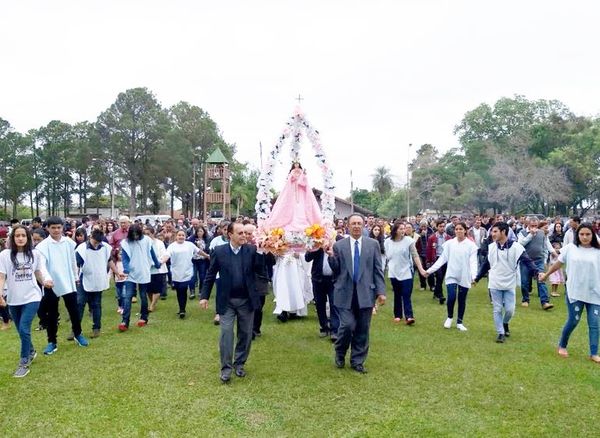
column 162, row 380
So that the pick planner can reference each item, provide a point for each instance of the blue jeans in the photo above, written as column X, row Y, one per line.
column 23, row 317
column 526, row 283
column 462, row 301
column 119, row 287
column 402, row 297
column 502, row 300
column 130, row 292
column 575, row 310
column 200, row 268
column 94, row 301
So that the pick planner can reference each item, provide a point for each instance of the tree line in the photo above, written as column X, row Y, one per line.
column 518, row 155
column 137, row 149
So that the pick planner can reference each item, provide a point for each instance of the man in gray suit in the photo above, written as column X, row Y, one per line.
column 356, row 265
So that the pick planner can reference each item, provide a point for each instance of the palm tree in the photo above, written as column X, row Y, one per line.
column 383, row 181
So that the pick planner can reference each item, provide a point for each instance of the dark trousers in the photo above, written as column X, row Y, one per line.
column 94, row 301
column 50, row 301
column 439, row 275
column 181, row 288
column 353, row 332
column 258, row 315
column 240, row 310
column 200, row 268
column 402, row 298
column 323, row 291
column 426, row 281
column 462, row 301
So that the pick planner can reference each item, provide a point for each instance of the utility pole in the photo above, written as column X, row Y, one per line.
column 351, row 193
column 408, row 182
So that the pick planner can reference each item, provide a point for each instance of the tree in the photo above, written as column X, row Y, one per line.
column 383, row 181
column 132, row 129
column 366, row 199
column 57, row 143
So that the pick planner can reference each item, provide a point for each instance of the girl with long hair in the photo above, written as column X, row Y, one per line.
column 582, row 258
column 21, row 267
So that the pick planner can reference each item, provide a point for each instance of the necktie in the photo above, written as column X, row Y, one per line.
column 356, row 261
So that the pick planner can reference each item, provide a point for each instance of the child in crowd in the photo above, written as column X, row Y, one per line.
column 557, row 277
column 93, row 258
column 119, row 281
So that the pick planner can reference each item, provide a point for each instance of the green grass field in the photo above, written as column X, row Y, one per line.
column 162, row 380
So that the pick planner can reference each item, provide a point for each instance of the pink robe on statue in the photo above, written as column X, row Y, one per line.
column 296, row 207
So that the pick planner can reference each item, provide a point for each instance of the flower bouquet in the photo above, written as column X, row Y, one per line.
column 273, row 241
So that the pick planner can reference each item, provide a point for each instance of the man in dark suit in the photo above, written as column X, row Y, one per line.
column 236, row 298
column 359, row 281
column 322, row 282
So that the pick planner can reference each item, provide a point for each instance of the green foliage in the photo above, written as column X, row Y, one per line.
column 383, row 182
column 366, row 199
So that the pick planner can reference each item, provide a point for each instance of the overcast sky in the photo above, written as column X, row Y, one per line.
column 375, row 75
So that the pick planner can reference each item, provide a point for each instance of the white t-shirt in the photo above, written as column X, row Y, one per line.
column 461, row 259
column 400, row 264
column 182, row 268
column 160, row 250
column 583, row 273
column 22, row 287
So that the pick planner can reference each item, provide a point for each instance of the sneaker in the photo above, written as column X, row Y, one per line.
column 397, row 320
column 554, row 294
column 32, row 356
column 192, row 296
column 95, row 333
column 461, row 327
column 134, row 300
column 506, row 330
column 120, row 310
column 525, row 304
column 5, row 326
column 40, row 328
column 123, row 327
column 448, row 323
column 410, row 321
column 22, row 371
column 500, row 339
column 547, row 306
column 142, row 323
column 50, row 349
column 81, row 340
column 181, row 315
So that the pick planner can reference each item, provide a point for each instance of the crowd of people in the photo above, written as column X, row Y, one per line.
column 77, row 261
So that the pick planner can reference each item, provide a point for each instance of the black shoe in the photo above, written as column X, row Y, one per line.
column 162, row 298
column 240, row 372
column 500, row 338
column 323, row 334
column 181, row 315
column 283, row 316
column 340, row 362
column 442, row 301
column 359, row 369
column 192, row 296
column 506, row 330
column 334, row 337
column 225, row 378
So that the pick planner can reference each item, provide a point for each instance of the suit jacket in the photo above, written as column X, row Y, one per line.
column 316, row 272
column 220, row 262
column 370, row 279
